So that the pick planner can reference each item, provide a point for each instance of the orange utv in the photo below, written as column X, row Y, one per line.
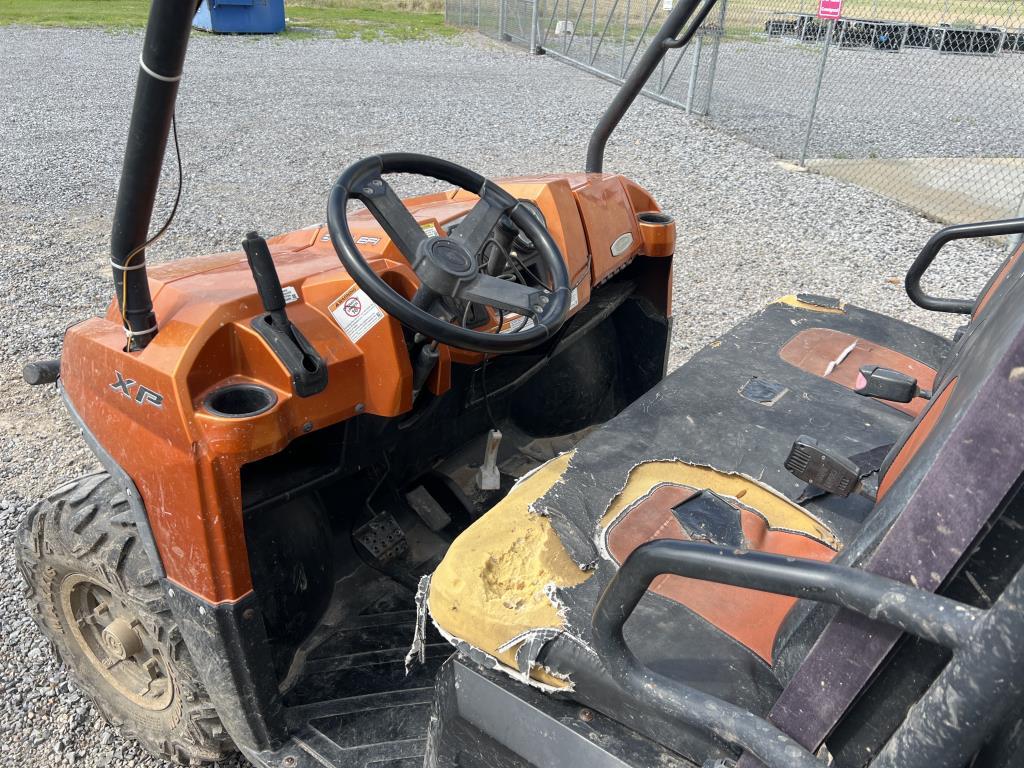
column 411, row 489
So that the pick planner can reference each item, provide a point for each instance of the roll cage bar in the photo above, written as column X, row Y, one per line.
column 986, row 647
column 677, row 30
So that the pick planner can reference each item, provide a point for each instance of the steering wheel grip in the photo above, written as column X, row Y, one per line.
column 361, row 181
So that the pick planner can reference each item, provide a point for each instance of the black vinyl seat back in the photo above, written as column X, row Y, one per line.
column 997, row 311
column 934, row 526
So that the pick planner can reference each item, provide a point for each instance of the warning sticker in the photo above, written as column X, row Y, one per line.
column 356, row 313
column 514, row 322
column 430, row 230
column 290, row 294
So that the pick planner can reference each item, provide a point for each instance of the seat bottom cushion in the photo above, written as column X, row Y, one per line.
column 699, row 457
column 673, row 641
column 671, row 510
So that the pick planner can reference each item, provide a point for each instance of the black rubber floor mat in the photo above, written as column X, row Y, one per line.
column 353, row 705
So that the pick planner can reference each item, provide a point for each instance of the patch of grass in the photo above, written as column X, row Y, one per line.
column 366, row 19
column 108, row 14
column 411, row 6
column 369, row 20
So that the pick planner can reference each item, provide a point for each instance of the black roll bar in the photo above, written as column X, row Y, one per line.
column 732, row 724
column 973, row 695
column 664, row 40
column 987, row 647
column 924, row 259
column 156, row 90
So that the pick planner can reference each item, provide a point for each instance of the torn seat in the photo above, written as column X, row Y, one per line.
column 699, row 457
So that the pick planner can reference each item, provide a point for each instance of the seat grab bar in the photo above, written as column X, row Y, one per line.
column 919, row 612
column 924, row 260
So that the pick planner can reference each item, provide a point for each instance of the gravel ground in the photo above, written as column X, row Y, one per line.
column 265, row 125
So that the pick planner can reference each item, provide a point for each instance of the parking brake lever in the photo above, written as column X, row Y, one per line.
column 307, row 369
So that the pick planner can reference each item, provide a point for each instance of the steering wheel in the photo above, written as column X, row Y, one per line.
column 448, row 266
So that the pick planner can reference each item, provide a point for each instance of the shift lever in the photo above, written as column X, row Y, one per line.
column 309, row 374
column 264, row 273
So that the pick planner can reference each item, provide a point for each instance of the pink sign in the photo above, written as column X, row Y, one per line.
column 830, row 9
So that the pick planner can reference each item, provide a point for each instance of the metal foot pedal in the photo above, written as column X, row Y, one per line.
column 822, row 467
column 428, row 509
column 383, row 538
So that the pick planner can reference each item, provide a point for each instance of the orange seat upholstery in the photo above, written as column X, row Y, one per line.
column 839, row 356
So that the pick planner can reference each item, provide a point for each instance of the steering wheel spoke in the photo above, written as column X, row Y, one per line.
column 475, row 230
column 390, row 212
column 505, row 294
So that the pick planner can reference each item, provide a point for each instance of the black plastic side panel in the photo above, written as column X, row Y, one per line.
column 644, row 336
column 228, row 644
column 292, row 568
column 482, row 719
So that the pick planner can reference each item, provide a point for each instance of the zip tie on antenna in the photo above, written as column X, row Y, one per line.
column 132, row 334
column 158, row 76
column 123, row 268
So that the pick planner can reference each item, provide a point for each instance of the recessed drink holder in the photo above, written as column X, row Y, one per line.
column 658, row 233
column 239, row 401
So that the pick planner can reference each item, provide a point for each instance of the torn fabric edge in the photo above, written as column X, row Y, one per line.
column 532, row 507
column 530, row 645
column 815, row 300
column 418, row 650
column 601, row 534
column 551, row 593
column 532, row 642
column 484, row 659
column 537, row 469
column 550, row 511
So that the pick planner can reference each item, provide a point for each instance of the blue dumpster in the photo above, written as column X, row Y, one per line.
column 257, row 17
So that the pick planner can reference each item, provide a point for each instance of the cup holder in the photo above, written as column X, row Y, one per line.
column 654, row 217
column 239, row 401
column 658, row 233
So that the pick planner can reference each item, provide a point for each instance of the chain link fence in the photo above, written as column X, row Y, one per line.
column 918, row 100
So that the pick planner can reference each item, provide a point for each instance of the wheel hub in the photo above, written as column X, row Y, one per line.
column 120, row 639
column 111, row 637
